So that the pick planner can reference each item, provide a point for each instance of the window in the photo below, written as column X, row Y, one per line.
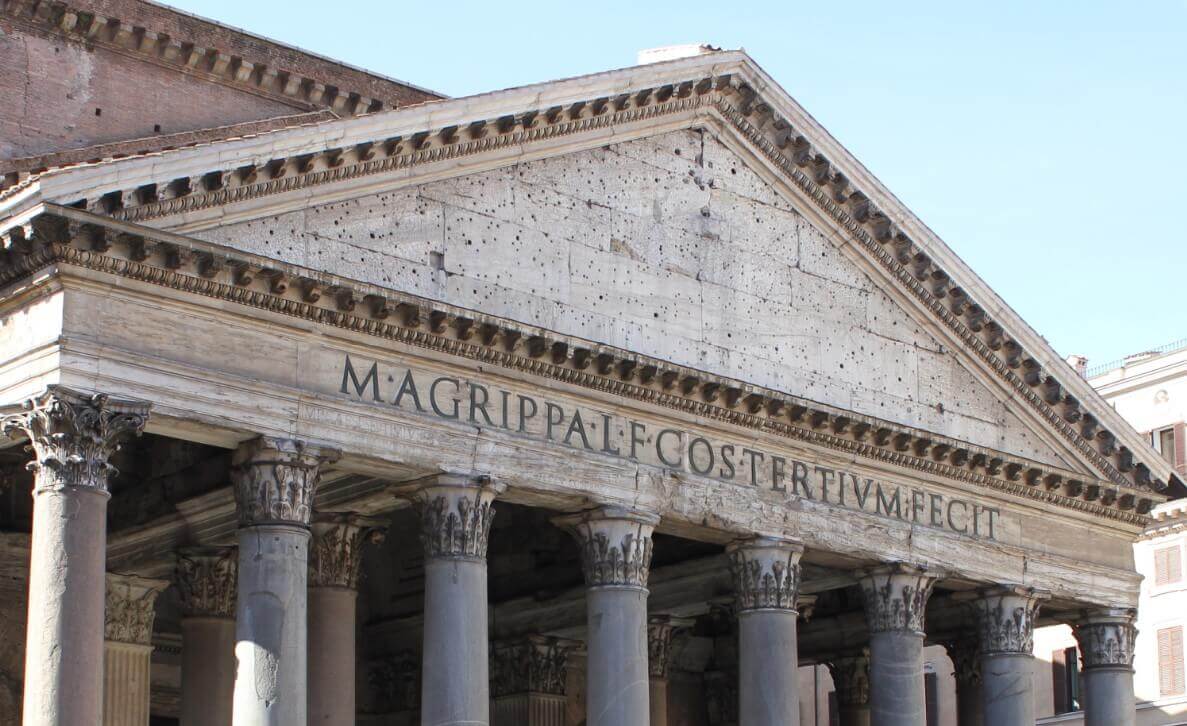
column 1168, row 565
column 1170, row 661
column 1065, row 680
column 1164, row 443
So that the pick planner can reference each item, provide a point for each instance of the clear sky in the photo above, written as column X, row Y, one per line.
column 1043, row 140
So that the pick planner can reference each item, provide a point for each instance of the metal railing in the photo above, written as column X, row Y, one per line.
column 1096, row 370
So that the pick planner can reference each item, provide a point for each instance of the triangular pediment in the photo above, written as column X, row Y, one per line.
column 670, row 246
column 689, row 211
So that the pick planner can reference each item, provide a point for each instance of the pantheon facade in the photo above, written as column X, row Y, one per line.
column 612, row 400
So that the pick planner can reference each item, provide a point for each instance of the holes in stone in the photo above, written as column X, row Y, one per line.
column 156, row 128
column 98, row 112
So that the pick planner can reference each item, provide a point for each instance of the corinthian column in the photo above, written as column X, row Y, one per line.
column 1005, row 620
column 127, row 652
column 1106, row 639
column 335, row 560
column 528, row 678
column 274, row 482
column 851, row 678
column 767, row 582
column 206, row 581
column 895, row 598
column 660, row 629
column 455, row 518
column 616, row 557
column 72, row 435
column 965, row 654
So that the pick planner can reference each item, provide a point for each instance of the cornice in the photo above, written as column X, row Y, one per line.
column 82, row 239
column 726, row 95
column 228, row 66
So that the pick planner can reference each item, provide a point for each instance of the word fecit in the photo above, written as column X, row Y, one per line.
column 455, row 399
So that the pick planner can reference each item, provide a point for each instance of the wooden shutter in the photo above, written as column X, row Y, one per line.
column 1168, row 565
column 1059, row 680
column 1181, row 448
column 1170, row 661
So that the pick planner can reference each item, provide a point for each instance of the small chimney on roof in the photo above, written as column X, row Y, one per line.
column 1079, row 363
column 672, row 52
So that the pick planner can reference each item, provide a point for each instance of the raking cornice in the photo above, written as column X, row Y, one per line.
column 727, row 88
column 66, row 236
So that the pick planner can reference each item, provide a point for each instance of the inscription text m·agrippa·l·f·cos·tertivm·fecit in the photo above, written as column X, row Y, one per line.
column 452, row 398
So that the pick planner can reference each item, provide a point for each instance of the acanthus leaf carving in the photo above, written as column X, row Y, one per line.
column 534, row 664
column 851, row 676
column 275, row 480
column 1006, row 618
column 131, row 608
column 456, row 514
column 73, row 435
column 615, row 545
column 766, row 573
column 895, row 597
column 207, row 578
column 336, row 550
column 1107, row 638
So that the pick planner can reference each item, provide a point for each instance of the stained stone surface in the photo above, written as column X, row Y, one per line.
column 669, row 246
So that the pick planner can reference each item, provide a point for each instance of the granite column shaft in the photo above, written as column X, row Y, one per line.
column 1106, row 639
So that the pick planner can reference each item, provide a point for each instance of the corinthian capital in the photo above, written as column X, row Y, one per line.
column 73, row 435
column 851, row 676
column 130, row 610
column 207, row 579
column 766, row 573
column 1006, row 619
column 896, row 596
column 533, row 664
column 456, row 512
column 660, row 629
column 1106, row 638
column 336, row 553
column 615, row 545
column 275, row 480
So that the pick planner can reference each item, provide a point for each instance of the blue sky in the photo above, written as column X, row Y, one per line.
column 1043, row 141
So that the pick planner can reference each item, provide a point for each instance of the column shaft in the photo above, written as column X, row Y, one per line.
column 271, row 612
column 897, row 695
column 657, row 699
column 617, row 691
column 895, row 599
column 72, row 435
column 64, row 683
column 127, row 686
column 1106, row 639
column 207, row 671
column 965, row 654
column 332, row 662
column 456, row 514
column 616, row 558
column 1007, row 688
column 768, row 691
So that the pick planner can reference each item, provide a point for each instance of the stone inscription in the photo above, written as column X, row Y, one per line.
column 457, row 399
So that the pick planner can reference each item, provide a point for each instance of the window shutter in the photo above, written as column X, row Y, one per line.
column 1170, row 661
column 1181, row 448
column 1059, row 680
column 1168, row 565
